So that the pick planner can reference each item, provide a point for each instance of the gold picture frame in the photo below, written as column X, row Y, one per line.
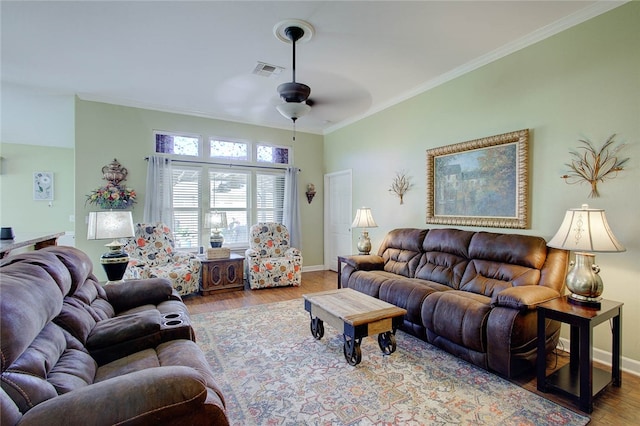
column 482, row 182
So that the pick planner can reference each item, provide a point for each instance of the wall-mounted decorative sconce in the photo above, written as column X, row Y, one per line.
column 593, row 166
column 400, row 185
column 311, row 192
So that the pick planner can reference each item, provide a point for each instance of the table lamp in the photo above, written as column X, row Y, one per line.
column 217, row 221
column 364, row 220
column 585, row 231
column 107, row 225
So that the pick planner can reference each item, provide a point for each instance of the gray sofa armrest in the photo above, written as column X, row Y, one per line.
column 133, row 293
column 157, row 395
column 524, row 297
column 367, row 262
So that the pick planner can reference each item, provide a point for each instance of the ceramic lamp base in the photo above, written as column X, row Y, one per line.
column 115, row 265
column 216, row 239
column 364, row 243
column 588, row 302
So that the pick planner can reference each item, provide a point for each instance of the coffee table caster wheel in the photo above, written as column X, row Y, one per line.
column 317, row 328
column 351, row 350
column 387, row 342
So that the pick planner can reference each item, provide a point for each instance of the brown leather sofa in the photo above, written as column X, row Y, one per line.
column 77, row 352
column 473, row 294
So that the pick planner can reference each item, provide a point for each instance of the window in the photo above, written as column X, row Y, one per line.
column 269, row 197
column 246, row 194
column 230, row 194
column 171, row 143
column 272, row 154
column 186, row 206
column 228, row 150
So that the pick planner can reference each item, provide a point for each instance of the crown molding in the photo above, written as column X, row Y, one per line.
column 598, row 8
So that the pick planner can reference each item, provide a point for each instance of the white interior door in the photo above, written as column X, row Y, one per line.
column 337, row 217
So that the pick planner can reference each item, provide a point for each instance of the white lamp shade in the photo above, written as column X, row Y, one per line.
column 215, row 220
column 364, row 219
column 293, row 110
column 585, row 230
column 110, row 225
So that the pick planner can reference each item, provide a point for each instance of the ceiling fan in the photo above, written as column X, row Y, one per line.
column 294, row 94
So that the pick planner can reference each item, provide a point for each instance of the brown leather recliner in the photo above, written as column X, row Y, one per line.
column 473, row 294
column 74, row 352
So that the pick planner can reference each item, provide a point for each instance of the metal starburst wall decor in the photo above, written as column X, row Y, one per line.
column 595, row 165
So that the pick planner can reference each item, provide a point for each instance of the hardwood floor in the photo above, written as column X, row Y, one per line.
column 616, row 406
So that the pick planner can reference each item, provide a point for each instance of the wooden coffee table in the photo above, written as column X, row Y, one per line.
column 357, row 315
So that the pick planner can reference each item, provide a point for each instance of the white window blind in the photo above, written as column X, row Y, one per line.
column 186, row 206
column 269, row 196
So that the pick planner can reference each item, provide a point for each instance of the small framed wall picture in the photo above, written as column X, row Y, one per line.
column 43, row 186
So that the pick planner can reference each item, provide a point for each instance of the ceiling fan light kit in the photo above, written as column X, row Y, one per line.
column 294, row 94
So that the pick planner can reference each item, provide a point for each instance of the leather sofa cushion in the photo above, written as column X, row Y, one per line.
column 401, row 250
column 53, row 364
column 406, row 293
column 76, row 319
column 514, row 249
column 369, row 282
column 77, row 263
column 489, row 278
column 30, row 299
column 445, row 256
column 466, row 317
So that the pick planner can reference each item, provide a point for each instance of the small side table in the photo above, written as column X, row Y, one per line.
column 340, row 260
column 579, row 379
column 219, row 275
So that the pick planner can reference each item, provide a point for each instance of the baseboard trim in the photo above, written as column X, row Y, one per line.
column 628, row 365
column 313, row 268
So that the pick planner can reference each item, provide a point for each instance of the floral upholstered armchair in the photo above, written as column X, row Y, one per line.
column 152, row 254
column 271, row 262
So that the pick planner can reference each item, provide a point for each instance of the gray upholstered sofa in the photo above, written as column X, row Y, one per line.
column 75, row 352
column 473, row 294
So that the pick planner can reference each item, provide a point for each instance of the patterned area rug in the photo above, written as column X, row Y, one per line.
column 273, row 372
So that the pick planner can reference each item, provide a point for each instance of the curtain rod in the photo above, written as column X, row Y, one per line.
column 230, row 165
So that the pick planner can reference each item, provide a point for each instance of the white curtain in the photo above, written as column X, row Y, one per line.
column 158, row 205
column 291, row 217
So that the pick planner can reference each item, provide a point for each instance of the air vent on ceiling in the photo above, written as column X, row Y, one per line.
column 267, row 70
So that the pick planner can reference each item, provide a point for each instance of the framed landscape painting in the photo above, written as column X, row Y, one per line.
column 483, row 182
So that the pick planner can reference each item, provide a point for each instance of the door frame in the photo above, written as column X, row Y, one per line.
column 327, row 211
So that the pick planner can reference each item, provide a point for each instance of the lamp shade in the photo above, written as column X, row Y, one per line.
column 215, row 220
column 585, row 230
column 110, row 225
column 293, row 110
column 364, row 219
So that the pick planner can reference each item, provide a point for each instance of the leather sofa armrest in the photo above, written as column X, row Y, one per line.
column 367, row 262
column 150, row 396
column 524, row 297
column 133, row 293
column 126, row 328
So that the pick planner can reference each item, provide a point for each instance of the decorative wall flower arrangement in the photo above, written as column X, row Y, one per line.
column 595, row 165
column 400, row 185
column 112, row 196
column 115, row 194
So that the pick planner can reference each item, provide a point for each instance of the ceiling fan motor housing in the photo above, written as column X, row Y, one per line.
column 294, row 92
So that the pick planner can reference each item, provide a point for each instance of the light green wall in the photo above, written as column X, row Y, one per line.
column 583, row 82
column 18, row 209
column 105, row 132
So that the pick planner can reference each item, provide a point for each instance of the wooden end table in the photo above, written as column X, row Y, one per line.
column 579, row 379
column 220, row 275
column 356, row 315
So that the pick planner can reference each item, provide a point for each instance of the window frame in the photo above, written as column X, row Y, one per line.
column 207, row 164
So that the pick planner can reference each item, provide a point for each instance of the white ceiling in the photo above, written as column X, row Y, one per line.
column 197, row 57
